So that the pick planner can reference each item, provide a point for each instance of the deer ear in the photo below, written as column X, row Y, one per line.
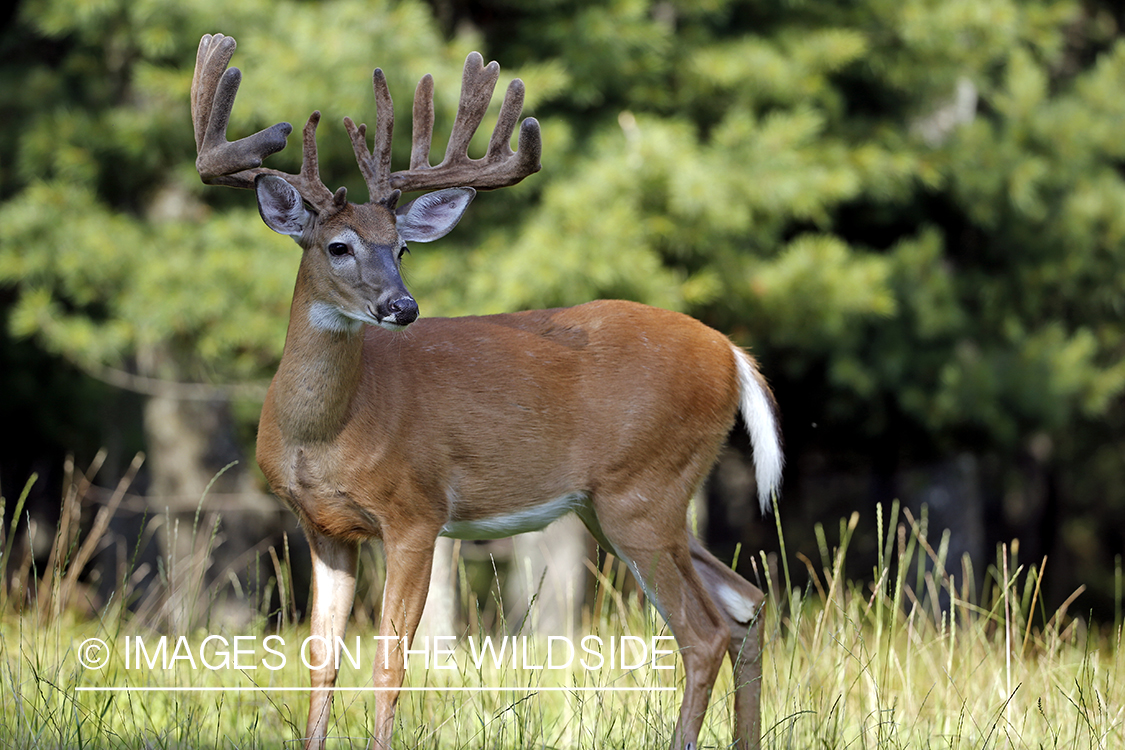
column 281, row 206
column 431, row 216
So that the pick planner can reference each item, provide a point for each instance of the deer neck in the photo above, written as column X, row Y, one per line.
column 319, row 374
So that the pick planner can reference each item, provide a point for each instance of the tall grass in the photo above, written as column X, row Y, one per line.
column 928, row 653
column 932, row 656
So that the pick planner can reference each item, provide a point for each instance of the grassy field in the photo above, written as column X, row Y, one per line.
column 926, row 657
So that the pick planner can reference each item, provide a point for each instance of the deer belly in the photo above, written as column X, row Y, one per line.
column 502, row 525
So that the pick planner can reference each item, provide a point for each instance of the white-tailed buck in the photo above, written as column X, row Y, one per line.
column 480, row 427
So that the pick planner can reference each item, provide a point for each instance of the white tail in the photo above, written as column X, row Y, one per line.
column 758, row 412
column 481, row 427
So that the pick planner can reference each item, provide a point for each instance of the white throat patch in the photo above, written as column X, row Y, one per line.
column 325, row 317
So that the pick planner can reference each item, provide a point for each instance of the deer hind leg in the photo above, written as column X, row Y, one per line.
column 663, row 565
column 333, row 592
column 741, row 603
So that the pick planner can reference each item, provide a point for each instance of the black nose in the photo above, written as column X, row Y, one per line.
column 404, row 310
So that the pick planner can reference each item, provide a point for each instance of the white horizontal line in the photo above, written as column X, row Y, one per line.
column 522, row 688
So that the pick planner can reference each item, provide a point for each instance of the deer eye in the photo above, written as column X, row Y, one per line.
column 403, row 251
column 338, row 249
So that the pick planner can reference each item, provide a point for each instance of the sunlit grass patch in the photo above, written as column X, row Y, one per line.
column 919, row 660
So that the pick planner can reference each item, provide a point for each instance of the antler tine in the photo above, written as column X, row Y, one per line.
column 205, row 79
column 376, row 164
column 477, row 84
column 501, row 166
column 308, row 182
column 238, row 163
column 529, row 146
column 500, row 143
column 423, row 128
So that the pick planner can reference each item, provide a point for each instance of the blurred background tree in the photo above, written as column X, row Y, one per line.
column 913, row 212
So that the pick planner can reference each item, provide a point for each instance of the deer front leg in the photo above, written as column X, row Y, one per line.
column 404, row 597
column 333, row 592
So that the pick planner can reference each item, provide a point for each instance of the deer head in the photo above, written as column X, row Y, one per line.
column 352, row 252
